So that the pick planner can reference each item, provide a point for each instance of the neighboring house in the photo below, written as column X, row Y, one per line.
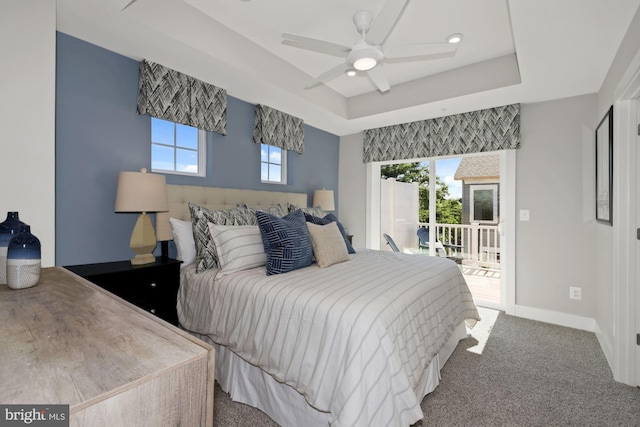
column 480, row 176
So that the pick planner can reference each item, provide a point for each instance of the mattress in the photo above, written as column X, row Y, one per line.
column 354, row 339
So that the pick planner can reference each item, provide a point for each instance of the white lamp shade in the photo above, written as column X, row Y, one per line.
column 324, row 199
column 141, row 192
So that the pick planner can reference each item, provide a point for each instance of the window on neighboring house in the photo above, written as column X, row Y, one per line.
column 273, row 165
column 177, row 148
column 484, row 203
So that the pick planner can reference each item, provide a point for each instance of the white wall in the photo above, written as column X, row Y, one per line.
column 353, row 187
column 27, row 117
column 555, row 182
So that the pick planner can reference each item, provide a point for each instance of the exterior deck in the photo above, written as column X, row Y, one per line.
column 477, row 249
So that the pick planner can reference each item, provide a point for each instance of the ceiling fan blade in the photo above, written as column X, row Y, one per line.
column 419, row 51
column 315, row 45
column 129, row 3
column 379, row 79
column 328, row 75
column 383, row 23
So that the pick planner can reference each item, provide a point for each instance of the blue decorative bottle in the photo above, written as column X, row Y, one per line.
column 23, row 259
column 9, row 228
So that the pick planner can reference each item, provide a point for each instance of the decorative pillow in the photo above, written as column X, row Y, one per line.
column 243, row 215
column 286, row 242
column 276, row 210
column 317, row 211
column 200, row 219
column 238, row 247
column 328, row 244
column 182, row 232
column 326, row 220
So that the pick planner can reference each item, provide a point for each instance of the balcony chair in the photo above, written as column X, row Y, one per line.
column 391, row 243
column 423, row 243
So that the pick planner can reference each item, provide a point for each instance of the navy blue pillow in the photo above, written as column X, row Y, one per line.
column 286, row 241
column 326, row 220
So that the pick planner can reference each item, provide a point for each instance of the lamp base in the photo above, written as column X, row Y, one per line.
column 140, row 259
column 143, row 241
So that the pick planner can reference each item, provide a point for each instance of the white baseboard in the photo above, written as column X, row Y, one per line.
column 605, row 344
column 556, row 318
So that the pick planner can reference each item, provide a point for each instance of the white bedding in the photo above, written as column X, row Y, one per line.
column 354, row 338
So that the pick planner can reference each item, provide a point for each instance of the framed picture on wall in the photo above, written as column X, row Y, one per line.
column 604, row 169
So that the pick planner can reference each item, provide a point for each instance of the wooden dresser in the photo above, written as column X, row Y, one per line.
column 68, row 341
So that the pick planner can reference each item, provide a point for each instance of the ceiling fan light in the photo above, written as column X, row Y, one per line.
column 364, row 64
column 364, row 57
column 454, row 38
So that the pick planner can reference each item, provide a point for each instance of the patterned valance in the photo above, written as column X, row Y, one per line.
column 474, row 132
column 170, row 95
column 276, row 128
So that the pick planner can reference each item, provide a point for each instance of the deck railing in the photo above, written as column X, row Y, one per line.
column 473, row 244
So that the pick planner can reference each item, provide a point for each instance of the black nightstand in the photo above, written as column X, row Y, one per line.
column 152, row 287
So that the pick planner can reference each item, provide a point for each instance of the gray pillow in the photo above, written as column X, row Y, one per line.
column 328, row 244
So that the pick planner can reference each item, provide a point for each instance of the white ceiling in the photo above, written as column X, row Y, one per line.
column 513, row 51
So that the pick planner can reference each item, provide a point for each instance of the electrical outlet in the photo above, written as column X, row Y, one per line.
column 575, row 293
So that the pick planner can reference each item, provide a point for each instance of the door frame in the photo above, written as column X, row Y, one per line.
column 625, row 360
column 507, row 223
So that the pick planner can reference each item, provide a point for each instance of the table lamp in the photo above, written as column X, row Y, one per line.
column 324, row 199
column 142, row 192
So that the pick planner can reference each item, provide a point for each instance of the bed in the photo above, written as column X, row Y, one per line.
column 356, row 343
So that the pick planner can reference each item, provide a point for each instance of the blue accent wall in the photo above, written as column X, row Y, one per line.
column 99, row 134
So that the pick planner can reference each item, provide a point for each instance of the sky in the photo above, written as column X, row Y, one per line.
column 446, row 169
column 174, row 137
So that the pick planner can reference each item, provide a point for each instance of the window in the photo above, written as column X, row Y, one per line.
column 177, row 148
column 273, row 165
column 484, row 203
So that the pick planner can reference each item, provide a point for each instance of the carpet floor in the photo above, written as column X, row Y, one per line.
column 509, row 371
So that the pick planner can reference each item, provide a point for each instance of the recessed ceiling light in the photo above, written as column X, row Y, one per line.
column 454, row 38
column 350, row 72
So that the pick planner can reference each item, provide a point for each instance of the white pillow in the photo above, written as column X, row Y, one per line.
column 328, row 244
column 183, row 238
column 237, row 247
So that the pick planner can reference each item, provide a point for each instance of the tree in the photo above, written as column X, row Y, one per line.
column 448, row 211
column 406, row 172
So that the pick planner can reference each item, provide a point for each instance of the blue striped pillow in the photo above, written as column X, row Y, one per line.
column 286, row 242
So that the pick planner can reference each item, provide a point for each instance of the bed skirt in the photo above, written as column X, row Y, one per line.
column 248, row 384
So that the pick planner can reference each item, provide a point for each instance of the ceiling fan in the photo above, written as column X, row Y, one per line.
column 368, row 53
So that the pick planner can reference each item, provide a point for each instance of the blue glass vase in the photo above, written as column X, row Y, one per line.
column 23, row 259
column 9, row 228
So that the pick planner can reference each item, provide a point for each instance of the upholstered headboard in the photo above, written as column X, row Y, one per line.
column 217, row 199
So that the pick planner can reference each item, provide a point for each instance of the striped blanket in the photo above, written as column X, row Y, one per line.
column 353, row 338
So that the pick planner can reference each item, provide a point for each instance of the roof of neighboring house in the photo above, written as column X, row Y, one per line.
column 474, row 167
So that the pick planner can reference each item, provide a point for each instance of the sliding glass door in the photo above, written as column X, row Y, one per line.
column 463, row 206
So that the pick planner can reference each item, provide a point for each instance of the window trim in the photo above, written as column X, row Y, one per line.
column 472, row 190
column 283, row 166
column 201, row 150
